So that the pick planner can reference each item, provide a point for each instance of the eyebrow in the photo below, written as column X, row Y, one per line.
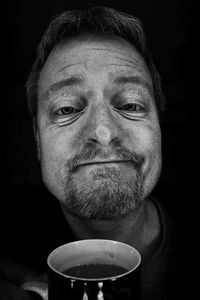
column 67, row 82
column 136, row 80
column 77, row 79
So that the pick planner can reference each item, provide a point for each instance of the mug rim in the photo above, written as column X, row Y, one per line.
column 94, row 279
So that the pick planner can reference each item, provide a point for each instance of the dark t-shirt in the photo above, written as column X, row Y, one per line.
column 158, row 270
column 32, row 225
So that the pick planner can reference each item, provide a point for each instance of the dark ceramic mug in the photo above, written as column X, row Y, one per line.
column 91, row 269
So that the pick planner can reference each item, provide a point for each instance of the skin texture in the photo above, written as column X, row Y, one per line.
column 104, row 108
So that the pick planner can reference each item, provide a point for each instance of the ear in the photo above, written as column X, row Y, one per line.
column 37, row 138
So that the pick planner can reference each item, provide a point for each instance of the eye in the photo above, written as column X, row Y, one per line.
column 131, row 107
column 67, row 110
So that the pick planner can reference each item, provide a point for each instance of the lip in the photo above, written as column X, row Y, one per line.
column 103, row 162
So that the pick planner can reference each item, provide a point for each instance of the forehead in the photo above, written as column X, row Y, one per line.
column 93, row 56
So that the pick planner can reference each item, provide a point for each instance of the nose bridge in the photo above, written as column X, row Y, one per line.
column 103, row 116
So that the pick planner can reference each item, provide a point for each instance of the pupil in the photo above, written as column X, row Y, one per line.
column 130, row 106
column 67, row 110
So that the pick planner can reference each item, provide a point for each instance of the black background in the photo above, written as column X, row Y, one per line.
column 172, row 35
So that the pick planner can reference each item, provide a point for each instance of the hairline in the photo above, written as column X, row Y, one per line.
column 133, row 34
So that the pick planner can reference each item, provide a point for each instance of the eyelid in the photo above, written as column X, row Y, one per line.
column 132, row 100
column 57, row 113
column 71, row 106
column 141, row 102
column 140, row 108
column 66, row 97
column 63, row 102
column 134, row 97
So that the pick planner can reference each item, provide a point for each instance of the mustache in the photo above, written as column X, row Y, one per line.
column 92, row 152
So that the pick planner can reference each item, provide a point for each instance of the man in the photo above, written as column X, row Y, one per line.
column 96, row 99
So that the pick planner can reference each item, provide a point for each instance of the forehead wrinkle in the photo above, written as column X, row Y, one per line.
column 131, row 65
column 135, row 63
column 68, row 66
column 103, row 49
column 117, row 65
column 112, row 50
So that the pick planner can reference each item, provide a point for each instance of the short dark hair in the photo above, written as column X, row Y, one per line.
column 97, row 20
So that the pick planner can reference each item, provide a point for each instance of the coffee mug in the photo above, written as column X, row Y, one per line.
column 91, row 269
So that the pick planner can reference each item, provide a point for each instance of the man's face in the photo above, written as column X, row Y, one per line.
column 98, row 132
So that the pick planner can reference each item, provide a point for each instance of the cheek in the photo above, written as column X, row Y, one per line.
column 151, row 142
column 148, row 142
column 146, row 139
column 151, row 147
column 55, row 150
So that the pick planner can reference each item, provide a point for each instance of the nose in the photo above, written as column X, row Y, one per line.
column 103, row 128
column 103, row 134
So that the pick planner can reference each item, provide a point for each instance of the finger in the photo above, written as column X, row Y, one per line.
column 9, row 291
column 15, row 272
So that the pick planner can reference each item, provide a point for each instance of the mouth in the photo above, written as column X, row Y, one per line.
column 100, row 162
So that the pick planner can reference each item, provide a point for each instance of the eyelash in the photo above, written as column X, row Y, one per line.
column 61, row 113
column 134, row 107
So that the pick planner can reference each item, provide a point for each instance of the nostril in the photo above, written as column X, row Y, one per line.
column 103, row 133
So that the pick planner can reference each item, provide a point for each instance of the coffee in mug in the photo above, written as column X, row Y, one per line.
column 91, row 269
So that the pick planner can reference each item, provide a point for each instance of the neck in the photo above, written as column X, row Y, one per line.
column 138, row 229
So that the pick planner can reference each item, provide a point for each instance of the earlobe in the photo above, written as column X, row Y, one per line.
column 37, row 139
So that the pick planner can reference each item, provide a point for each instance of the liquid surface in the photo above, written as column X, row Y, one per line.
column 95, row 271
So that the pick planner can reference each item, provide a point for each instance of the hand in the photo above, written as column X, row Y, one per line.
column 12, row 275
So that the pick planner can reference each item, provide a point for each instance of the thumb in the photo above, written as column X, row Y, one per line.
column 17, row 273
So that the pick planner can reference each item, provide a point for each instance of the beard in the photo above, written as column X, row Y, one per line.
column 105, row 194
